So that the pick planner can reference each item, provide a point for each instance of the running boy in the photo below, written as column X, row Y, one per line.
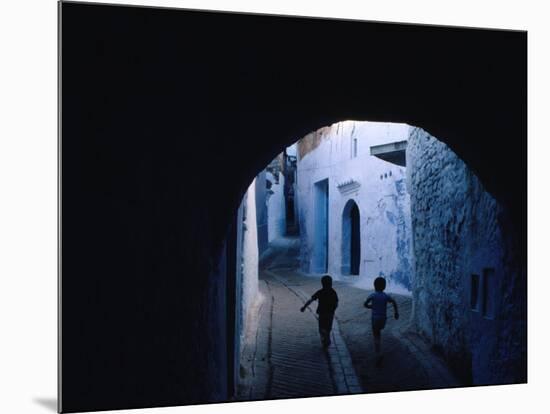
column 377, row 301
column 328, row 302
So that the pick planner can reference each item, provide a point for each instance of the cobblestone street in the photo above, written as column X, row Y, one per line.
column 282, row 355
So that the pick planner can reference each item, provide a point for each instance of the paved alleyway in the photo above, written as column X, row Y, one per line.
column 282, row 356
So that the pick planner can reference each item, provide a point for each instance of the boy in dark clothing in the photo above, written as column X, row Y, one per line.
column 377, row 301
column 328, row 302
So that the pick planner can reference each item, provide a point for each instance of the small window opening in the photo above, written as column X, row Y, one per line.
column 489, row 293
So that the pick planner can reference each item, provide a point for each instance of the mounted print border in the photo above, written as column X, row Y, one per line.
column 216, row 167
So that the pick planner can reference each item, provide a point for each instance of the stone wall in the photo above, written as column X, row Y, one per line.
column 469, row 289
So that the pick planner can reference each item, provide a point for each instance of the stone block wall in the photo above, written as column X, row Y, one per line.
column 469, row 287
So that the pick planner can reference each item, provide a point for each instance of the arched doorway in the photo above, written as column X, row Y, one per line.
column 351, row 239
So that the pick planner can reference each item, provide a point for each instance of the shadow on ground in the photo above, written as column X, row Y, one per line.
column 49, row 403
column 409, row 362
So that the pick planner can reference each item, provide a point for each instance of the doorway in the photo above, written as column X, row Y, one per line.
column 351, row 239
column 320, row 248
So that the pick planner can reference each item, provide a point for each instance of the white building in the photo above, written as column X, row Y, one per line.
column 276, row 208
column 353, row 207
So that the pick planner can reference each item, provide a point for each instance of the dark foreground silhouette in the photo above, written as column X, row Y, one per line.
column 328, row 302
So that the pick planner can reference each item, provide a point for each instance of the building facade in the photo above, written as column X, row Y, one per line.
column 353, row 207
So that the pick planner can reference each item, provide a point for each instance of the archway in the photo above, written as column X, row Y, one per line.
column 414, row 209
column 351, row 239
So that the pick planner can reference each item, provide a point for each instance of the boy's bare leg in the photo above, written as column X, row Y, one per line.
column 325, row 337
column 325, row 323
column 377, row 347
column 377, row 340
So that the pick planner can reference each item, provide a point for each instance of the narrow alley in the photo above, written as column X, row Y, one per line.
column 282, row 356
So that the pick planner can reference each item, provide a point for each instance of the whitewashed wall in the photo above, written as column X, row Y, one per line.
column 381, row 196
column 276, row 207
column 250, row 255
column 261, row 211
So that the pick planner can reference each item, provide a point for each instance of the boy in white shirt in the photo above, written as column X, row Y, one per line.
column 377, row 301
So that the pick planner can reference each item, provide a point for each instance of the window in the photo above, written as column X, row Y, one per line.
column 489, row 294
column 483, row 293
